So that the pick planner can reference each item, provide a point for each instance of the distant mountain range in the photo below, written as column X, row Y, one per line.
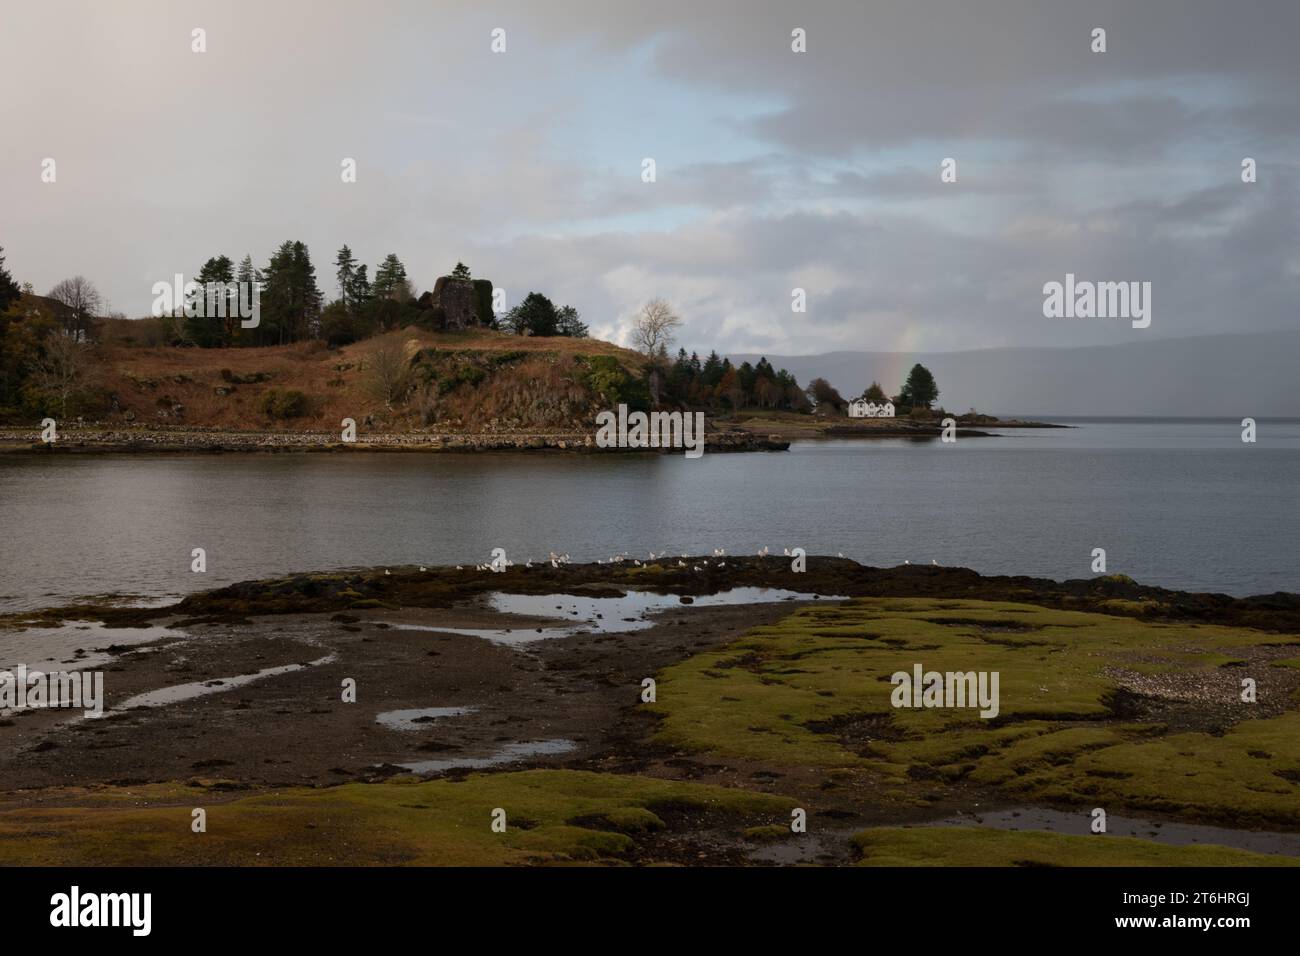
column 1247, row 374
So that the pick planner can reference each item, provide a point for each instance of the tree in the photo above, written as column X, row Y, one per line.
column 402, row 291
column 9, row 290
column 338, row 326
column 250, row 280
column 875, row 393
column 80, row 300
column 825, row 398
column 536, row 315
column 290, row 299
column 920, row 389
column 211, row 326
column 59, row 370
column 711, row 374
column 654, row 328
column 729, row 389
column 359, row 291
column 461, row 271
column 388, row 370
column 568, row 323
column 390, row 279
column 346, row 273
column 246, row 271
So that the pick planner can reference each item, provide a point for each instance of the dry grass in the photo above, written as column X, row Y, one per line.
column 149, row 382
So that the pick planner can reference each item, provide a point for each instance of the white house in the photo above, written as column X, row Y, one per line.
column 861, row 408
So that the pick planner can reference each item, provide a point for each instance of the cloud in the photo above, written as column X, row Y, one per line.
column 775, row 170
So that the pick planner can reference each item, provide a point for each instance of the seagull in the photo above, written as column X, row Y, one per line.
column 681, row 564
column 423, row 568
column 386, row 571
column 905, row 561
column 459, row 568
column 934, row 562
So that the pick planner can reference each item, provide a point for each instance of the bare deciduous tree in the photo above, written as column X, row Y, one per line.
column 652, row 332
column 80, row 300
column 60, row 368
column 388, row 373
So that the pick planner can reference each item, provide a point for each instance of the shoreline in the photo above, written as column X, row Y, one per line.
column 440, row 586
column 743, row 436
column 218, row 441
column 764, row 703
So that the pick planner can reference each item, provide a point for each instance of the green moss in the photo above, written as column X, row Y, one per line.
column 440, row 822
column 975, row 846
column 1248, row 776
column 624, row 820
column 813, row 691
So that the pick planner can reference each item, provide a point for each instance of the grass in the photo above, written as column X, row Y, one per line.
column 974, row 846
column 813, row 691
column 552, row 816
column 336, row 383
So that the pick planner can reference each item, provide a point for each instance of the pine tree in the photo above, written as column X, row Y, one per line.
column 216, row 314
column 568, row 323
column 346, row 264
column 920, row 390
column 290, row 300
column 536, row 315
column 390, row 277
column 359, row 294
column 461, row 271
column 712, row 372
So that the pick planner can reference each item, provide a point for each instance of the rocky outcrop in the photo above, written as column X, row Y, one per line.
column 454, row 298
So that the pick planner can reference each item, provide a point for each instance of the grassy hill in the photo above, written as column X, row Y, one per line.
column 402, row 380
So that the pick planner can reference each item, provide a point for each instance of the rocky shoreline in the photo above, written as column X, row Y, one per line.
column 92, row 440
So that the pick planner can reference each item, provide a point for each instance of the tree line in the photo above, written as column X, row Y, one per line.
column 919, row 391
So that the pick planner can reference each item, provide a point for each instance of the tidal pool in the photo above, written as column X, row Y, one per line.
column 604, row 615
column 507, row 754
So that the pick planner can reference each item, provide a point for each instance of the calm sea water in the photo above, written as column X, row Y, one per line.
column 1184, row 504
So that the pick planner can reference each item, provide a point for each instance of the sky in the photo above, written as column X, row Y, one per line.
column 774, row 169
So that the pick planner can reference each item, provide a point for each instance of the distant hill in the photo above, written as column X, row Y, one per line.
column 1243, row 374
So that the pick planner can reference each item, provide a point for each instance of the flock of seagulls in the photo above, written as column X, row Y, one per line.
column 558, row 559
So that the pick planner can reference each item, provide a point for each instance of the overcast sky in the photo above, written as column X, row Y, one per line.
column 775, row 169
